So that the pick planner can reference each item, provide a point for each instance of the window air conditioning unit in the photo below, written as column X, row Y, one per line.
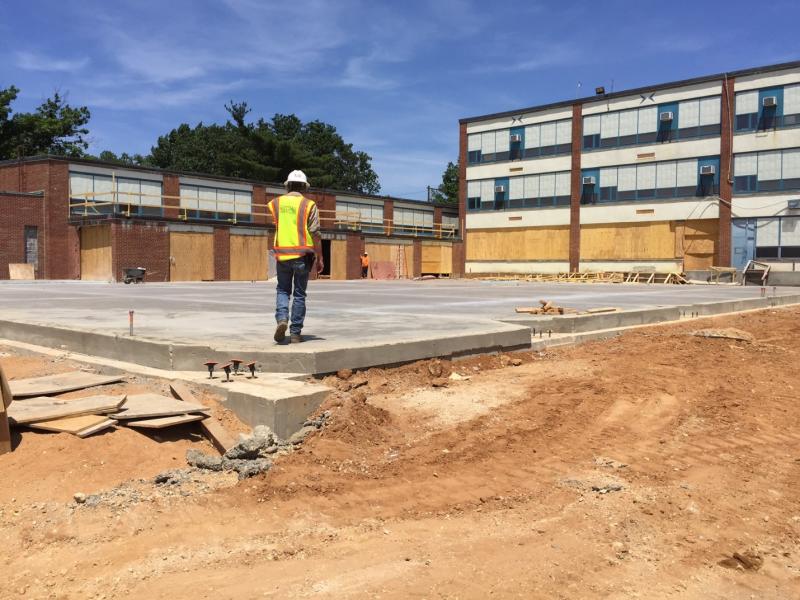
column 794, row 204
column 708, row 170
column 515, row 137
column 769, row 101
column 499, row 189
column 665, row 116
column 588, row 181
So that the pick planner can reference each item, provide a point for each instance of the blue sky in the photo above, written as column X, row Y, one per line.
column 393, row 77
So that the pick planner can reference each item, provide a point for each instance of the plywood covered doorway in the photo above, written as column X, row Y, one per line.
column 191, row 256
column 338, row 259
column 437, row 259
column 96, row 253
column 249, row 257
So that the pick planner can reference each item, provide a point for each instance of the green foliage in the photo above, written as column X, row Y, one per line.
column 54, row 128
column 126, row 159
column 447, row 192
column 267, row 150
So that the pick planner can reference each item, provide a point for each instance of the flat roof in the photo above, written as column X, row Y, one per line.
column 638, row 90
column 113, row 165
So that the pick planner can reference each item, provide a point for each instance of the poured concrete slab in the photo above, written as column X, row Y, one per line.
column 350, row 324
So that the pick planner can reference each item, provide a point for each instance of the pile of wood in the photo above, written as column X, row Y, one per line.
column 546, row 307
column 594, row 277
column 31, row 403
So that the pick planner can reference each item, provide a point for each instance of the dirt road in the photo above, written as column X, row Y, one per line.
column 632, row 468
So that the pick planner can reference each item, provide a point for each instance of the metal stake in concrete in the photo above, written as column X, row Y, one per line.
column 210, row 366
column 227, row 368
column 252, row 367
column 236, row 364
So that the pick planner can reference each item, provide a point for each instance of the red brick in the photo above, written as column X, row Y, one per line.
column 222, row 253
column 723, row 250
column 462, row 195
column 140, row 244
column 388, row 216
column 172, row 192
column 576, row 188
column 416, row 263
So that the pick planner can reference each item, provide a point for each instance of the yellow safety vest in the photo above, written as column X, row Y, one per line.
column 292, row 238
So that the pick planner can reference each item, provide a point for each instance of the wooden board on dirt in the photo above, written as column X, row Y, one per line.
column 603, row 309
column 213, row 429
column 49, row 409
column 81, row 426
column 5, row 400
column 5, row 390
column 147, row 406
column 50, row 385
column 22, row 271
column 162, row 422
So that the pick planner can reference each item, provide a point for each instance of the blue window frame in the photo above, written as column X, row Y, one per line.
column 782, row 109
column 515, row 144
column 769, row 171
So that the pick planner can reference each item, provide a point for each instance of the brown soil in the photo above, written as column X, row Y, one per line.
column 655, row 465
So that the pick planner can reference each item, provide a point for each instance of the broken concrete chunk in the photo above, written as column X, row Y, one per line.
column 440, row 382
column 299, row 436
column 729, row 333
column 203, row 461
column 435, row 368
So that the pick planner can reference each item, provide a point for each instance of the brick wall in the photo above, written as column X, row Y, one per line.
column 459, row 259
column 576, row 188
column 222, row 253
column 723, row 250
column 354, row 249
column 17, row 212
column 437, row 221
column 140, row 244
column 326, row 205
column 172, row 188
column 260, row 205
column 462, row 196
column 416, row 263
column 388, row 215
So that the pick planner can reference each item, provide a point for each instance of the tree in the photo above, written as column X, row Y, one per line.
column 447, row 192
column 54, row 127
column 126, row 159
column 267, row 150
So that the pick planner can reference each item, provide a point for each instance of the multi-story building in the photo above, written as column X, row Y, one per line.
column 84, row 219
column 673, row 177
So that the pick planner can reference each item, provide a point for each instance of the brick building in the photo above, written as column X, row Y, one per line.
column 85, row 219
column 672, row 177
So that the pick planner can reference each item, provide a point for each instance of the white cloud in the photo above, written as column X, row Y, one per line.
column 31, row 61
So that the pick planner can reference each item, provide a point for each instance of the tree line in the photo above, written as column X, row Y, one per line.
column 265, row 150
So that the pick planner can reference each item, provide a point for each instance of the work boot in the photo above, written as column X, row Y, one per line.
column 296, row 338
column 280, row 331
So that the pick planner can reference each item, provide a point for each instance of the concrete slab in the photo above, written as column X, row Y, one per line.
column 351, row 324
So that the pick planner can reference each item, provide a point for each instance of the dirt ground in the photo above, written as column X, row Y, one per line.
column 631, row 468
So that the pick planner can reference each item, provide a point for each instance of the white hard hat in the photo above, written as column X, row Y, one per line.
column 297, row 177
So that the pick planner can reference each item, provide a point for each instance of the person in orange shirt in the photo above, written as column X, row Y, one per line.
column 364, row 265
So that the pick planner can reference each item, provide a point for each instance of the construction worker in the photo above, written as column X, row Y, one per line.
column 364, row 265
column 297, row 251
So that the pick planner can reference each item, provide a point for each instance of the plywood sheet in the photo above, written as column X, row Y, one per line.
column 437, row 259
column 144, row 406
column 628, row 241
column 22, row 271
column 73, row 425
column 96, row 253
column 212, row 428
column 162, row 422
column 390, row 253
column 99, row 427
column 5, row 389
column 533, row 243
column 58, row 384
column 49, row 409
column 248, row 256
column 191, row 256
column 5, row 400
column 339, row 259
column 698, row 243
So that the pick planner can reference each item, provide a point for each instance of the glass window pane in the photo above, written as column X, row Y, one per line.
column 103, row 188
column 516, row 188
column 745, row 164
column 746, row 102
column 208, row 199
column 790, row 231
column 548, row 133
column 562, row 184
column 591, row 125
column 666, row 174
column 791, row 164
column 473, row 189
column 487, row 190
column 628, row 122
column 791, row 99
column 648, row 119
column 487, row 143
column 225, row 201
column 473, row 142
column 686, row 175
column 80, row 185
column 608, row 177
column 502, row 141
column 609, row 125
column 564, row 132
column 547, row 185
column 151, row 193
column 128, row 191
column 532, row 136
column 645, row 177
column 767, row 232
column 244, row 202
column 626, row 179
column 769, row 166
column 532, row 186
column 689, row 114
column 709, row 111
column 189, row 194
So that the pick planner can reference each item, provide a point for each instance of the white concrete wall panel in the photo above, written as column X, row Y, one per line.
column 766, row 140
column 639, row 212
column 529, row 118
column 510, row 219
column 520, row 167
column 757, row 81
column 517, row 267
column 660, row 97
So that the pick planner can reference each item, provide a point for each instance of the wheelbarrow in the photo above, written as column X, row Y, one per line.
column 134, row 274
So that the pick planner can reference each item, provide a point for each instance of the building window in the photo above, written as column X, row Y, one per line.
column 215, row 204
column 411, row 221
column 360, row 217
column 661, row 180
column 514, row 193
column 690, row 119
column 93, row 194
column 769, row 108
column 31, row 241
column 771, row 171
column 543, row 139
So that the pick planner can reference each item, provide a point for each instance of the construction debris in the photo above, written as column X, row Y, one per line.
column 547, row 307
column 148, row 406
column 728, row 333
column 212, row 428
column 601, row 277
column 51, row 385
column 162, row 422
column 82, row 426
column 5, row 401
column 248, row 458
column 36, row 410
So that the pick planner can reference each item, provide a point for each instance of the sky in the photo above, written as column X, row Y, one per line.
column 393, row 77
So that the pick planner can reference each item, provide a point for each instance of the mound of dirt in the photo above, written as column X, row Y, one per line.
column 353, row 419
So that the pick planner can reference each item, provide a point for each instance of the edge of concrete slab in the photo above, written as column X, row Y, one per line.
column 180, row 357
column 645, row 316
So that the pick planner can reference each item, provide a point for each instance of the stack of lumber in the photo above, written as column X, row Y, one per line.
column 546, row 307
column 594, row 277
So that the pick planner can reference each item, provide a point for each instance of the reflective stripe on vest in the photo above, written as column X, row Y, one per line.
column 290, row 214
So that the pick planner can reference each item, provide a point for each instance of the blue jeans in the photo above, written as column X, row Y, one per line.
column 292, row 273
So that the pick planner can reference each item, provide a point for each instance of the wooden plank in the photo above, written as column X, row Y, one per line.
column 162, row 422
column 58, row 384
column 5, row 390
column 602, row 309
column 96, row 253
column 73, row 425
column 49, row 409
column 213, row 429
column 5, row 401
column 143, row 406
column 191, row 256
column 437, row 259
column 99, row 427
column 22, row 271
column 248, row 256
column 339, row 259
